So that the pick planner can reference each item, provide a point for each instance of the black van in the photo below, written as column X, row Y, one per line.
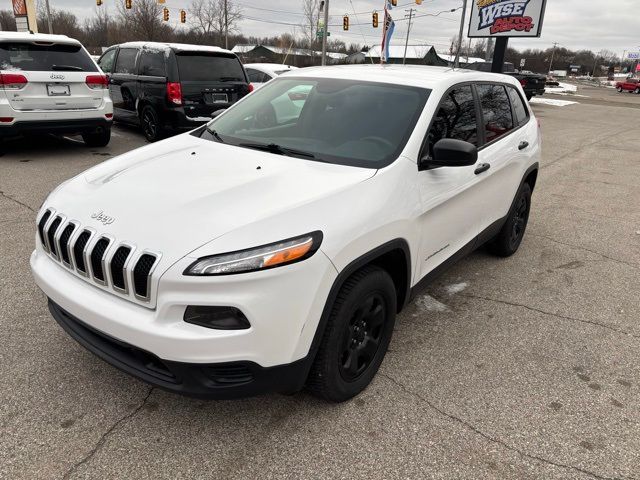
column 166, row 87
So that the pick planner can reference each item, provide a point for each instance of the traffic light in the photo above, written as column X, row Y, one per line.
column 127, row 4
column 394, row 3
column 98, row 2
column 418, row 2
column 183, row 16
column 375, row 19
column 165, row 14
column 345, row 23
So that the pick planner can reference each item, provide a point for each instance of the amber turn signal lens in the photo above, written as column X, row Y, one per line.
column 289, row 254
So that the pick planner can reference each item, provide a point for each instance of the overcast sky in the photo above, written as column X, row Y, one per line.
column 575, row 24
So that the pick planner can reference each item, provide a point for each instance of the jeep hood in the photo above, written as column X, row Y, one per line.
column 176, row 195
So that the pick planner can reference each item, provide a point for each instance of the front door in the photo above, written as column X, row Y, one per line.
column 123, row 85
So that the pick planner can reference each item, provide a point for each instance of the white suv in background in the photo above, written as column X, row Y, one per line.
column 266, row 251
column 50, row 84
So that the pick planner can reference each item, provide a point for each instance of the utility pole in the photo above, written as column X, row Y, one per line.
column 406, row 43
column 487, row 55
column 49, row 17
column 553, row 53
column 226, row 25
column 325, row 31
column 456, row 63
column 595, row 63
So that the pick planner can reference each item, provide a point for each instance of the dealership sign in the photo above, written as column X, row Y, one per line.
column 633, row 56
column 507, row 18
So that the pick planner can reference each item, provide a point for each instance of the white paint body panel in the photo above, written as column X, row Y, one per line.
column 188, row 198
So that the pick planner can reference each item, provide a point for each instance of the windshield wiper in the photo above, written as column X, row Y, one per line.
column 230, row 79
column 67, row 67
column 278, row 150
column 215, row 134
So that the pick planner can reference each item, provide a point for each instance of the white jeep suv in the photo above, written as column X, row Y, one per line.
column 49, row 83
column 265, row 252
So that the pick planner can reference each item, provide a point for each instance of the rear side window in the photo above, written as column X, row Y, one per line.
column 519, row 109
column 456, row 118
column 256, row 77
column 152, row 63
column 496, row 111
column 45, row 57
column 126, row 62
column 203, row 67
column 107, row 60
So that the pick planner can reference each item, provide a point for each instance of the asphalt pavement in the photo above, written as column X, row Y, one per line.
column 523, row 368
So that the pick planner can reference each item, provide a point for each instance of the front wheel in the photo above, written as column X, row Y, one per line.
column 637, row 91
column 529, row 96
column 99, row 138
column 356, row 337
column 508, row 240
column 619, row 89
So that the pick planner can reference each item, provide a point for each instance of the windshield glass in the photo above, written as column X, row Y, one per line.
column 350, row 122
column 45, row 57
column 202, row 67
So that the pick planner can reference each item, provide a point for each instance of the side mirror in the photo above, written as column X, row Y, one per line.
column 217, row 112
column 450, row 152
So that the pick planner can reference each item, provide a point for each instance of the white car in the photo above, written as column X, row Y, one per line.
column 261, row 73
column 254, row 255
column 50, row 84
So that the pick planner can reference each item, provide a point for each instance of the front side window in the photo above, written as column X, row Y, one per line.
column 456, row 118
column 349, row 122
column 255, row 76
column 107, row 60
column 45, row 57
column 152, row 63
column 496, row 111
column 126, row 62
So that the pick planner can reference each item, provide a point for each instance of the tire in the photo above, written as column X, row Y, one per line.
column 150, row 123
column 356, row 337
column 619, row 89
column 528, row 95
column 637, row 91
column 508, row 240
column 100, row 138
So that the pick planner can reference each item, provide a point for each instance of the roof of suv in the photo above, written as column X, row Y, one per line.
column 414, row 75
column 36, row 37
column 183, row 47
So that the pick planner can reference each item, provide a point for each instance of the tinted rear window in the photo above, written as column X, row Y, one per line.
column 199, row 67
column 44, row 57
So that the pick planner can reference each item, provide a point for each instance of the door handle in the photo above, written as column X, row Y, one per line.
column 483, row 167
column 523, row 145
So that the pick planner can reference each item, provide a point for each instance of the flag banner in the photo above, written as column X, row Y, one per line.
column 387, row 32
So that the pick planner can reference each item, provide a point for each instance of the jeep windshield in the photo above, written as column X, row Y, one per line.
column 349, row 122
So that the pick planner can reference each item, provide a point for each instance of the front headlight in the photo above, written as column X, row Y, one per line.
column 259, row 258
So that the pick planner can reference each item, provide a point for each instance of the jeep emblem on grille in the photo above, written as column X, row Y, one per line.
column 101, row 217
column 57, row 76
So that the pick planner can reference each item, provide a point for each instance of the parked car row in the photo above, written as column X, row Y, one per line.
column 50, row 83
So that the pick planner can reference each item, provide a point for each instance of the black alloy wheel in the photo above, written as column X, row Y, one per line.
column 150, row 123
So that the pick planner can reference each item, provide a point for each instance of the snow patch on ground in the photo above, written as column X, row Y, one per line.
column 562, row 88
column 456, row 288
column 427, row 303
column 551, row 101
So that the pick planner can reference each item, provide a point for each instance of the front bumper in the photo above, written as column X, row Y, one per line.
column 219, row 381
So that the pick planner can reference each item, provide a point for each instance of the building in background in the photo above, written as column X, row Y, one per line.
column 299, row 57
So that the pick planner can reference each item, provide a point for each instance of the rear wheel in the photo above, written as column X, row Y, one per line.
column 529, row 96
column 98, row 138
column 508, row 240
column 150, row 123
column 356, row 337
column 637, row 91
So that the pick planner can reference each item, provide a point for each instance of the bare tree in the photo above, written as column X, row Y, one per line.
column 7, row 21
column 209, row 16
column 143, row 21
column 311, row 12
column 63, row 22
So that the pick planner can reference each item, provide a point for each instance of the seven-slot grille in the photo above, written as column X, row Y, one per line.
column 82, row 250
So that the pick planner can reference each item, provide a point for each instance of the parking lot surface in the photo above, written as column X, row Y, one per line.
column 524, row 367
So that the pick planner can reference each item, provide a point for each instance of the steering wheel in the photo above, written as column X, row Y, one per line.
column 265, row 117
column 380, row 141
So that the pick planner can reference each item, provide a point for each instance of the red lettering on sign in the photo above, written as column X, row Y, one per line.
column 520, row 24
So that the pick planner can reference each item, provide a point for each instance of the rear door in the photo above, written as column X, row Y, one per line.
column 210, row 81
column 54, row 76
column 123, row 85
column 152, row 78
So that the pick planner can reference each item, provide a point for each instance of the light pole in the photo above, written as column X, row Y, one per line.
column 553, row 53
column 226, row 25
column 325, row 32
column 49, row 17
